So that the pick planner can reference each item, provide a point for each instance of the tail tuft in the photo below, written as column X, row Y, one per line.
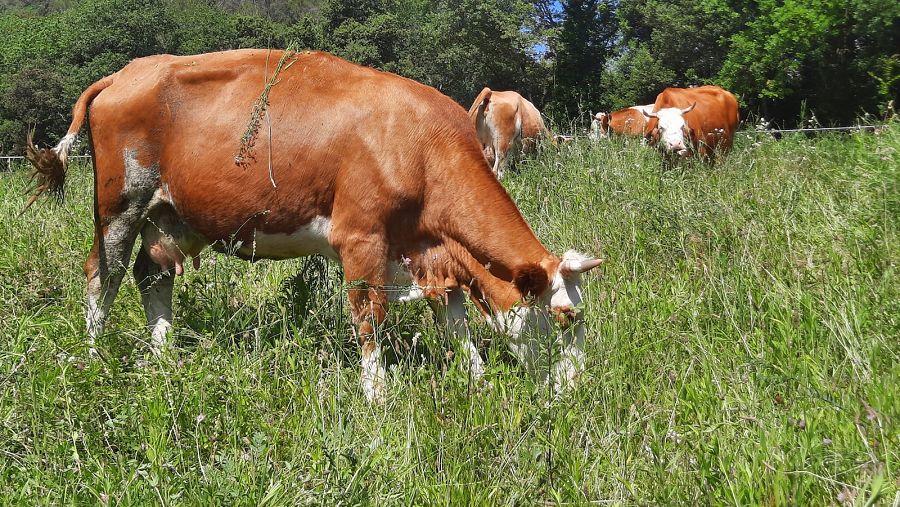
column 48, row 167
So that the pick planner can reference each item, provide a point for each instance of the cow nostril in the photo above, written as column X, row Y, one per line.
column 566, row 316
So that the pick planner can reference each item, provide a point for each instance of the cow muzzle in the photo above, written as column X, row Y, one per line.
column 676, row 147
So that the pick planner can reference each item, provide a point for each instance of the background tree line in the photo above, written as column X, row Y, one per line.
column 837, row 58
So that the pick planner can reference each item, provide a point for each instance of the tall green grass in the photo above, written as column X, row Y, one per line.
column 743, row 348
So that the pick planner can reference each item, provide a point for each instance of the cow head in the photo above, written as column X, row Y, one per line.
column 600, row 126
column 671, row 129
column 555, row 310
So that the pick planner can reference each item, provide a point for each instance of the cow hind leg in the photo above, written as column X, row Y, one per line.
column 118, row 220
column 499, row 161
column 104, row 269
column 156, row 285
column 501, row 153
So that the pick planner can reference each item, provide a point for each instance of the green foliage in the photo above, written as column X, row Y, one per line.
column 132, row 28
column 583, row 44
column 635, row 78
column 742, row 349
column 837, row 58
column 769, row 56
column 28, row 96
column 687, row 37
column 815, row 52
column 886, row 73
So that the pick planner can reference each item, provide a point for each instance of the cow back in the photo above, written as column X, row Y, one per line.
column 329, row 129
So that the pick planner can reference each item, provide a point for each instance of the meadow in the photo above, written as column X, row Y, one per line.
column 743, row 348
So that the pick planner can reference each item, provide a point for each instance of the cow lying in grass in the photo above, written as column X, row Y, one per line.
column 233, row 149
column 629, row 121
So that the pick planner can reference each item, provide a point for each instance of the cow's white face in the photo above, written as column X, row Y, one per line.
column 600, row 127
column 673, row 129
column 557, row 312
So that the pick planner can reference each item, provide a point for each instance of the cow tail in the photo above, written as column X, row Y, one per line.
column 481, row 101
column 49, row 165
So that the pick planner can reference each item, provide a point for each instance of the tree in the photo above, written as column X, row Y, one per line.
column 585, row 42
column 796, row 54
column 688, row 37
column 33, row 99
column 635, row 77
column 456, row 46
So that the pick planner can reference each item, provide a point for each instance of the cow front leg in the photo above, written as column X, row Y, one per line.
column 451, row 317
column 104, row 269
column 569, row 367
column 367, row 309
column 364, row 257
column 155, row 285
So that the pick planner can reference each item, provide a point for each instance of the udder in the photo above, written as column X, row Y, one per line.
column 169, row 241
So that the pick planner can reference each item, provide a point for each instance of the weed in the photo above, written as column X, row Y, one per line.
column 742, row 349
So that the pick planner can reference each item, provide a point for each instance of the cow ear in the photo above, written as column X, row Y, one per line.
column 531, row 281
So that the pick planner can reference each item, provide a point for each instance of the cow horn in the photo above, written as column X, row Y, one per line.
column 649, row 115
column 689, row 108
column 571, row 266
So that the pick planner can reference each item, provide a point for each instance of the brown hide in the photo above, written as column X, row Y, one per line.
column 383, row 174
column 393, row 164
column 507, row 125
column 711, row 123
column 629, row 121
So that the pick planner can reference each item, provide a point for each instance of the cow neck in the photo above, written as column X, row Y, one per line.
column 484, row 220
column 471, row 275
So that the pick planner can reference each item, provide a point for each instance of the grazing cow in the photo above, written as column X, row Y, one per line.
column 699, row 119
column 629, row 121
column 268, row 161
column 507, row 125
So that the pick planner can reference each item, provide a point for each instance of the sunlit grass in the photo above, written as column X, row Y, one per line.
column 743, row 349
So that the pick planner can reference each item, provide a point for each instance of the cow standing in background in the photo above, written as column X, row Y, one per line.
column 180, row 160
column 629, row 121
column 507, row 125
column 698, row 120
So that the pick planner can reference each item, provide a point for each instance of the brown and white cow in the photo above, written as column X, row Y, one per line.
column 508, row 125
column 686, row 120
column 629, row 121
column 409, row 201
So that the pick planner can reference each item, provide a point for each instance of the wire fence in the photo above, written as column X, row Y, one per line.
column 10, row 162
column 867, row 128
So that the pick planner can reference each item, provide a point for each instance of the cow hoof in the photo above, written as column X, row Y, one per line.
column 373, row 383
column 374, row 391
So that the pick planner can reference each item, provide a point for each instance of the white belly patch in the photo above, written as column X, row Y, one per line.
column 309, row 239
